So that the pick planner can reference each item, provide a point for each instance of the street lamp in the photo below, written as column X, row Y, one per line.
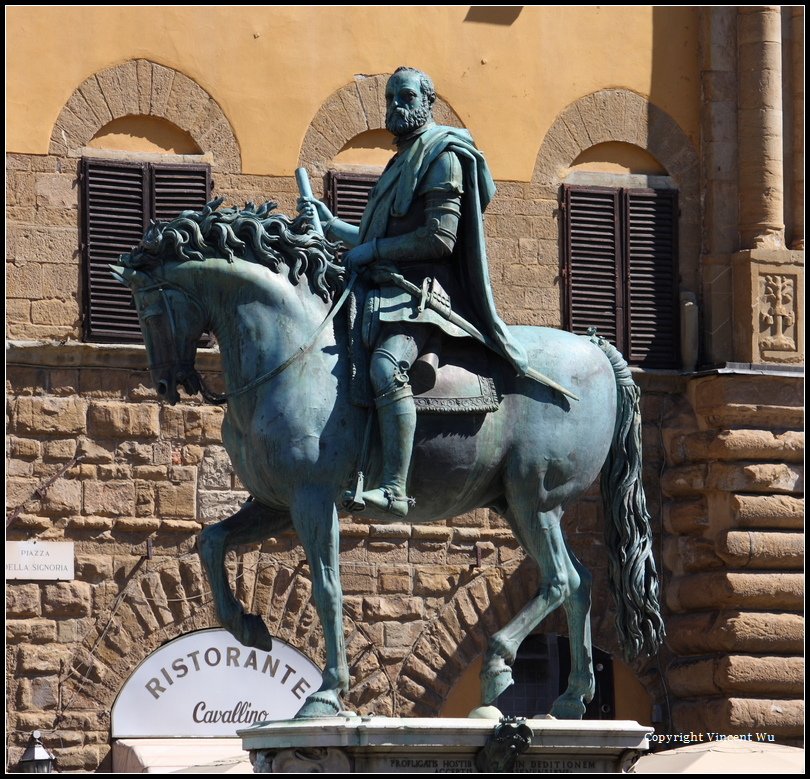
column 36, row 759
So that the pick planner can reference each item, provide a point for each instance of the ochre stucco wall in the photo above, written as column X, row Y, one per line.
column 271, row 69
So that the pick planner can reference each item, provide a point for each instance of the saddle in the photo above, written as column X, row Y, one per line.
column 452, row 376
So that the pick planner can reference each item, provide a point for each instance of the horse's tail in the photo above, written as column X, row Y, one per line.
column 628, row 532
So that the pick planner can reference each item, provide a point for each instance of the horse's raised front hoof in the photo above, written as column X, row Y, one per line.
column 250, row 630
column 496, row 678
column 568, row 707
column 324, row 703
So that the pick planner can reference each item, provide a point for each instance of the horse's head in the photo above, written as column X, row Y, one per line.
column 172, row 321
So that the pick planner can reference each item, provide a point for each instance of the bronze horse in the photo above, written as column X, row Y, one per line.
column 268, row 288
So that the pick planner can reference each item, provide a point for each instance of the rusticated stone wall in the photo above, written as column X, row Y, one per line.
column 734, row 552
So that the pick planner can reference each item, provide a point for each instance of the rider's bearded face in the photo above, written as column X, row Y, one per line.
column 404, row 115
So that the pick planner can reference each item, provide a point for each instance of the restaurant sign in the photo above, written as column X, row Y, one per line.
column 207, row 684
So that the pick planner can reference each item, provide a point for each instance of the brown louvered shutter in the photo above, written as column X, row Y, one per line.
column 620, row 260
column 591, row 259
column 115, row 215
column 119, row 199
column 176, row 188
column 651, row 251
column 348, row 193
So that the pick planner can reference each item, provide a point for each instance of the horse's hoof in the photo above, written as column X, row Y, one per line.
column 485, row 712
column 568, row 708
column 320, row 704
column 496, row 678
column 254, row 633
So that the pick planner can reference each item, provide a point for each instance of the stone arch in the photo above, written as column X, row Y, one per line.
column 141, row 87
column 623, row 115
column 459, row 635
column 170, row 597
column 352, row 110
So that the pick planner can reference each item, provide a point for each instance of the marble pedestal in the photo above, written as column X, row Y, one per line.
column 388, row 745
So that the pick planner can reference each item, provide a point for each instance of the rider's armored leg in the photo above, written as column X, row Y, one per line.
column 396, row 412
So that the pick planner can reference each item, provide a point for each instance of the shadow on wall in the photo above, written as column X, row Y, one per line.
column 493, row 14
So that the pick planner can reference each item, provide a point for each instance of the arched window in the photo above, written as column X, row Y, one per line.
column 122, row 189
column 620, row 253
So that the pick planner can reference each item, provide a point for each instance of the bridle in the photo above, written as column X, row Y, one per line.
column 186, row 367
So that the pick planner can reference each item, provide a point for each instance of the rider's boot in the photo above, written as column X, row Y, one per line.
column 396, row 412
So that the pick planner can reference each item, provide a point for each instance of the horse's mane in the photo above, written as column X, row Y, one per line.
column 252, row 233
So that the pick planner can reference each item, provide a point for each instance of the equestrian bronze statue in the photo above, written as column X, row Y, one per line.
column 393, row 364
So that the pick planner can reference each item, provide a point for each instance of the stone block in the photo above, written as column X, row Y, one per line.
column 182, row 473
column 714, row 392
column 56, row 246
column 18, row 312
column 192, row 454
column 756, row 477
column 24, row 448
column 40, row 660
column 752, row 675
column 684, row 481
column 175, row 500
column 393, row 608
column 94, row 568
column 109, row 498
column 83, row 759
column 751, row 549
column 216, row 471
column 421, row 552
column 30, row 631
column 786, row 446
column 402, row 634
column 686, row 554
column 48, row 415
column 394, row 580
column 434, row 581
column 57, row 190
column 717, row 590
column 358, row 578
column 215, row 506
column 388, row 551
column 59, row 449
column 67, row 599
column 19, row 468
column 40, row 693
column 123, row 420
column 62, row 498
column 23, row 600
column 783, row 718
column 56, row 313
column 768, row 511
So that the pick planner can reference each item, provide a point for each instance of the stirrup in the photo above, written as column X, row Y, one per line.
column 353, row 499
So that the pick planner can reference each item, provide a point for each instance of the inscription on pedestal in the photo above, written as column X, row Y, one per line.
column 561, row 764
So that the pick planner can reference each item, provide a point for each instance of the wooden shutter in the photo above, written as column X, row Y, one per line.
column 348, row 193
column 591, row 255
column 651, row 257
column 176, row 188
column 119, row 199
column 114, row 218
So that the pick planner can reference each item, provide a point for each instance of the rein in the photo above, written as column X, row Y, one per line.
column 218, row 399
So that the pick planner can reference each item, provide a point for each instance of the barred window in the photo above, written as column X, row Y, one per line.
column 118, row 200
